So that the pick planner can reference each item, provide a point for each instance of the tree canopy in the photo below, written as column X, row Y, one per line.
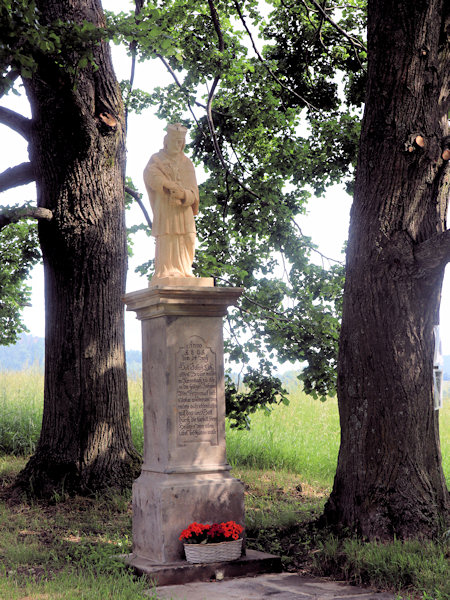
column 272, row 94
column 273, row 101
column 19, row 253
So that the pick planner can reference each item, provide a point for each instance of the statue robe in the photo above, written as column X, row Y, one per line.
column 173, row 224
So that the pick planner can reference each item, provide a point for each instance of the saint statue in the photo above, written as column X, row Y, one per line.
column 172, row 188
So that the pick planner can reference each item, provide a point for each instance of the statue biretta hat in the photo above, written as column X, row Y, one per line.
column 176, row 130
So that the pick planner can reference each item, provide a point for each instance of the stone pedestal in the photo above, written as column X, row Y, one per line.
column 185, row 476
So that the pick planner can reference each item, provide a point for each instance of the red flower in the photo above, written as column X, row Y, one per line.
column 198, row 533
column 195, row 533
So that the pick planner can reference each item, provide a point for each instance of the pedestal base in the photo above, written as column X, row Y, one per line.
column 254, row 563
column 166, row 503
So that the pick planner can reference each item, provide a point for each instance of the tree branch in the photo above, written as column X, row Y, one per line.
column 138, row 198
column 179, row 84
column 209, row 113
column 434, row 253
column 172, row 72
column 10, row 77
column 209, row 116
column 215, row 18
column 15, row 176
column 264, row 63
column 353, row 41
column 133, row 50
column 183, row 89
column 15, row 121
column 15, row 214
column 313, row 248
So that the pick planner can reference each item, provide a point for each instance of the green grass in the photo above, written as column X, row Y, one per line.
column 444, row 428
column 277, row 498
column 418, row 566
column 21, row 400
column 21, row 403
column 301, row 438
column 75, row 587
column 67, row 550
column 136, row 412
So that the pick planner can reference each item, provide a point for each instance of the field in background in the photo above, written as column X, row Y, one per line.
column 301, row 438
column 304, row 438
column 66, row 548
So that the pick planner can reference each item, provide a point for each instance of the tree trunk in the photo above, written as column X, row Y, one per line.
column 78, row 146
column 389, row 479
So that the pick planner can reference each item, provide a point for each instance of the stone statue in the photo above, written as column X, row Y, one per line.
column 172, row 188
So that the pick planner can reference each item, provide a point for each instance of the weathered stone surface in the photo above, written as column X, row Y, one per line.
column 185, row 475
column 166, row 503
column 284, row 586
column 182, row 301
column 177, row 574
column 191, row 282
column 183, row 386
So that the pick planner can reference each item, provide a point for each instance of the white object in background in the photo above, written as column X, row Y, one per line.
column 438, row 370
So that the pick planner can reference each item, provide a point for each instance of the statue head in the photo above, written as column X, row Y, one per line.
column 175, row 139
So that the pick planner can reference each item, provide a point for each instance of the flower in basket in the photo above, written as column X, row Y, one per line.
column 198, row 533
column 195, row 533
column 224, row 532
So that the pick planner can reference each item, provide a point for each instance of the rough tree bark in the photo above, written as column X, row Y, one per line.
column 77, row 147
column 389, row 479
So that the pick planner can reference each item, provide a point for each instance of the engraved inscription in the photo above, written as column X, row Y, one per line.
column 196, row 393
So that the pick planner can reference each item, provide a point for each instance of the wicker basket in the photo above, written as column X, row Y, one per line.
column 209, row 553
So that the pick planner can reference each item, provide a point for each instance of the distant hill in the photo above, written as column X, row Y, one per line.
column 289, row 379
column 447, row 368
column 134, row 362
column 29, row 353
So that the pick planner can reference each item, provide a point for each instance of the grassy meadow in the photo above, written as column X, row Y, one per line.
column 301, row 438
column 65, row 549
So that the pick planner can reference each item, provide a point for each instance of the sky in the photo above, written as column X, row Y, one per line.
column 326, row 222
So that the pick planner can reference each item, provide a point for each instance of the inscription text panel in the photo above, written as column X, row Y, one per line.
column 196, row 393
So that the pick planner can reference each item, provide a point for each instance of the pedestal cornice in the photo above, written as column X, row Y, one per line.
column 178, row 301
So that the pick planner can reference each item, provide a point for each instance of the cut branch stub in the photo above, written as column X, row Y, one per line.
column 420, row 141
column 108, row 119
column 414, row 141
